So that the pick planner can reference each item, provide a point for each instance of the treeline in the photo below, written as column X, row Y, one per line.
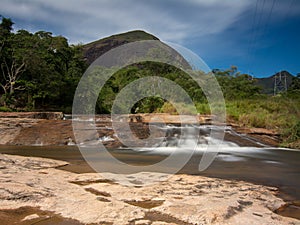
column 235, row 86
column 38, row 71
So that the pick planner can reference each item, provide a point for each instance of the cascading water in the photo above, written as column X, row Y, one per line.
column 186, row 138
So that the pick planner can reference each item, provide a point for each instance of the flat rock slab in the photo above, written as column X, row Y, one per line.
column 92, row 198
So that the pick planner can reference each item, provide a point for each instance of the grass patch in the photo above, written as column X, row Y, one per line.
column 5, row 109
column 277, row 113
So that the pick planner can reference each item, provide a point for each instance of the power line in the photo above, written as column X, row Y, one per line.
column 255, row 32
column 269, row 17
column 252, row 34
column 261, row 28
column 266, row 24
column 288, row 11
column 258, row 25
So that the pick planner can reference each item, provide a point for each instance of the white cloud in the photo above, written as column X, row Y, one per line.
column 171, row 20
column 219, row 30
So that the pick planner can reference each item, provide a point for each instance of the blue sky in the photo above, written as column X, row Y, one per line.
column 260, row 37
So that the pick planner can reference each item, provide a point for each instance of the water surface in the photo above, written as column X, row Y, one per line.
column 267, row 166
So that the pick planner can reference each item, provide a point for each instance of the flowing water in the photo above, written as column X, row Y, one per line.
column 264, row 165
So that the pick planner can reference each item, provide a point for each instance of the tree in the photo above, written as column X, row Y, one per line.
column 5, row 31
column 236, row 85
column 11, row 67
column 11, row 73
column 37, row 70
column 54, row 71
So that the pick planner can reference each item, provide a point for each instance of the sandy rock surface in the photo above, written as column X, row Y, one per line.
column 91, row 198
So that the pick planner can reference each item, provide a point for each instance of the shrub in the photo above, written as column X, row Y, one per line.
column 203, row 108
column 294, row 132
column 5, row 109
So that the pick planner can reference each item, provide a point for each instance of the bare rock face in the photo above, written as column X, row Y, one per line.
column 36, row 183
column 32, row 128
column 10, row 128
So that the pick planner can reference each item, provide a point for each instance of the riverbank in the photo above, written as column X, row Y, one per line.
column 48, row 129
column 41, row 192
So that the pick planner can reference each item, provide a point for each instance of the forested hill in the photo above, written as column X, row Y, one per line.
column 40, row 71
column 93, row 50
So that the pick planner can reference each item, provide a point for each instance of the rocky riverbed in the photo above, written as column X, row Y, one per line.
column 36, row 191
column 51, row 129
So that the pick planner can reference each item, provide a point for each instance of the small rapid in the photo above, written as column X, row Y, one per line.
column 194, row 138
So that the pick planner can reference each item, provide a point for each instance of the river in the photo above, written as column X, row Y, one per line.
column 267, row 166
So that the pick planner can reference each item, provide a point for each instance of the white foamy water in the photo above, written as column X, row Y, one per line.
column 227, row 151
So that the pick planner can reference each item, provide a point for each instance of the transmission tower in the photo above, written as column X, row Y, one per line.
column 280, row 83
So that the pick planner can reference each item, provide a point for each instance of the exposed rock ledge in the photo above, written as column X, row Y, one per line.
column 36, row 183
column 47, row 129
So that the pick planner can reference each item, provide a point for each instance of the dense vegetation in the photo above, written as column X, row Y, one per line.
column 40, row 72
column 125, row 76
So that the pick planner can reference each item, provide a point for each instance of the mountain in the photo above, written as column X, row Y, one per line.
column 267, row 84
column 97, row 48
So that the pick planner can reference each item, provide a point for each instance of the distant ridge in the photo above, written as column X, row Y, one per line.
column 97, row 48
column 267, row 84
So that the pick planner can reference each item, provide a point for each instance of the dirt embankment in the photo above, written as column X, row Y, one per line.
column 53, row 129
